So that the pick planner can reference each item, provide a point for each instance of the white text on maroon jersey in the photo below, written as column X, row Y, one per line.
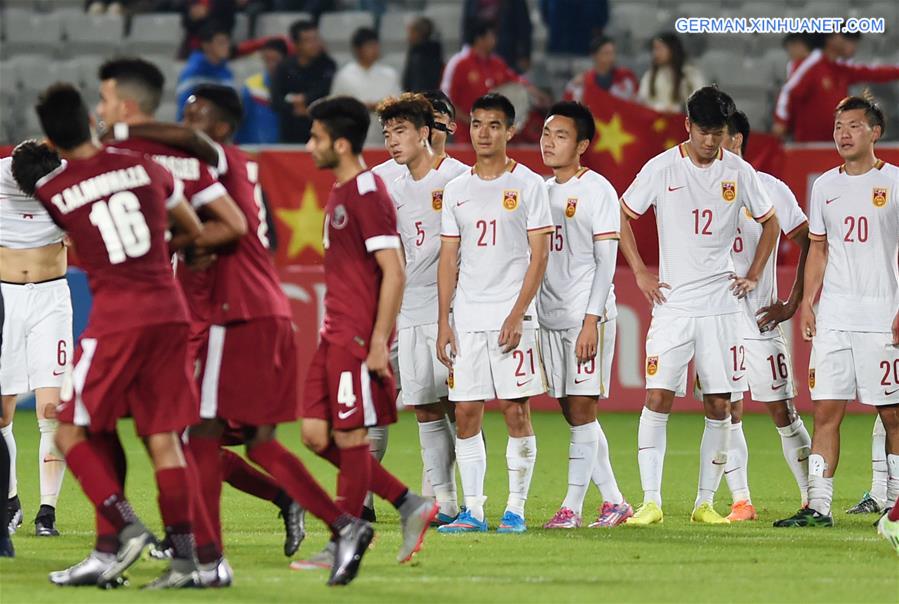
column 100, row 186
column 183, row 168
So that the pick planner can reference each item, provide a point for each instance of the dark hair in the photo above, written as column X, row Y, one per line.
column 424, row 26
column 31, row 161
column 343, row 117
column 298, row 27
column 64, row 116
column 579, row 114
column 710, row 108
column 143, row 77
column 493, row 100
column 363, row 36
column 211, row 29
column 409, row 106
column 852, row 35
column 225, row 101
column 678, row 59
column 478, row 29
column 276, row 44
column 599, row 41
column 808, row 40
column 440, row 102
column 867, row 103
column 738, row 123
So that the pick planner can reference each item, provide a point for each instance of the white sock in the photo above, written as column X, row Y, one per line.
column 377, row 444
column 521, row 456
column 582, row 446
column 736, row 470
column 51, row 463
column 472, row 459
column 453, row 492
column 820, row 489
column 893, row 482
column 797, row 445
column 603, row 476
column 438, row 453
column 651, row 442
column 879, row 472
column 712, row 458
column 7, row 434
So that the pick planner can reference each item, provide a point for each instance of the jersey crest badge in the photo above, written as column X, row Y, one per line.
column 437, row 199
column 879, row 197
column 811, row 377
column 571, row 207
column 652, row 365
column 728, row 190
column 450, row 380
column 339, row 218
column 510, row 199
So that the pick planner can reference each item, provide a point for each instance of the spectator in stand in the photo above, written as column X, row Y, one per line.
column 366, row 79
column 299, row 80
column 573, row 24
column 513, row 28
column 605, row 75
column 670, row 80
column 208, row 65
column 424, row 61
column 260, row 123
column 798, row 47
column 806, row 102
column 197, row 16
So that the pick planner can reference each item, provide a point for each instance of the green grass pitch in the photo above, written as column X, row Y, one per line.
column 673, row 562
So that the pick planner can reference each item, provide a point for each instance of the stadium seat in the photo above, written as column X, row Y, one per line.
column 758, row 110
column 171, row 68
column 27, row 31
column 101, row 34
column 155, row 33
column 639, row 24
column 88, row 67
column 341, row 57
column 278, row 24
column 37, row 73
column 167, row 111
column 721, row 66
column 397, row 60
column 241, row 29
column 244, row 68
column 337, row 28
column 393, row 30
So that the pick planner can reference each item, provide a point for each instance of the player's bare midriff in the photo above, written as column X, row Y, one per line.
column 33, row 265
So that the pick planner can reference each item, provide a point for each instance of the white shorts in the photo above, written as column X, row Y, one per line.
column 769, row 369
column 714, row 343
column 482, row 371
column 564, row 375
column 37, row 335
column 849, row 365
column 423, row 376
column 395, row 360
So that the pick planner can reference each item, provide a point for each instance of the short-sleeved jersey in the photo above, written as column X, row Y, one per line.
column 114, row 207
column 244, row 282
column 584, row 209
column 389, row 170
column 359, row 220
column 24, row 223
column 697, row 212
column 491, row 219
column 749, row 232
column 201, row 184
column 858, row 216
column 418, row 208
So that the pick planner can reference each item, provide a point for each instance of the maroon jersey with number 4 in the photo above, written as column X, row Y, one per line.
column 359, row 220
column 114, row 206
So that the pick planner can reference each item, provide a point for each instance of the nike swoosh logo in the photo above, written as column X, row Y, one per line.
column 773, row 387
column 402, row 206
column 58, row 373
column 890, row 392
column 719, row 463
column 801, row 459
column 520, row 384
column 346, row 414
column 735, row 378
column 462, row 203
column 673, row 189
column 829, row 201
column 582, row 381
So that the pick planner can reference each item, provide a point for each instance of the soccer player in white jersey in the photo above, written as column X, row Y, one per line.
column 854, row 228
column 576, row 309
column 698, row 191
column 769, row 369
column 37, row 335
column 494, row 238
column 418, row 196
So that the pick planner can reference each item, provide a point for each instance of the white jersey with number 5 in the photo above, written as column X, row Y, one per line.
column 418, row 208
column 791, row 218
column 584, row 209
column 858, row 216
column 697, row 212
column 492, row 220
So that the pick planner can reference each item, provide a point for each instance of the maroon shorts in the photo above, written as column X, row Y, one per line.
column 140, row 372
column 340, row 390
column 248, row 373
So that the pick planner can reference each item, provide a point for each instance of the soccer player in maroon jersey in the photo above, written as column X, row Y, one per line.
column 350, row 387
column 132, row 357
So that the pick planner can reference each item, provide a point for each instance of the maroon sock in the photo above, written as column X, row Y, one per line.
column 385, row 485
column 207, row 531
column 354, row 478
column 294, row 478
column 244, row 477
column 108, row 445
column 894, row 513
column 175, row 507
column 95, row 476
